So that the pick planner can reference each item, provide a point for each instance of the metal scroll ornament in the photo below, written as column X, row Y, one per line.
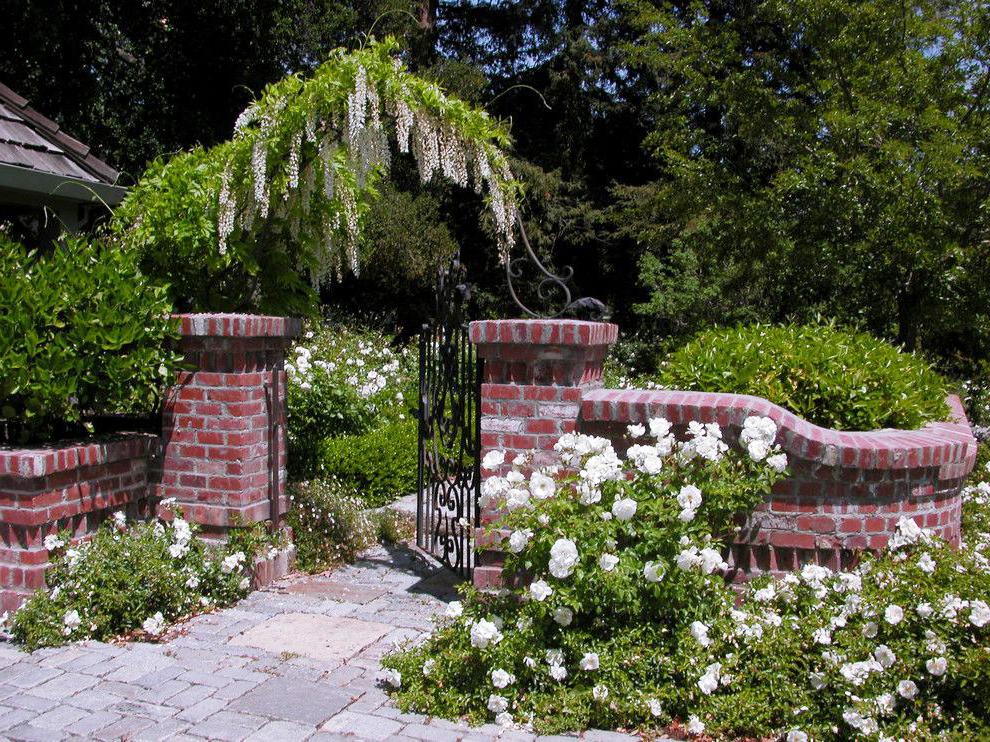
column 551, row 289
column 449, row 428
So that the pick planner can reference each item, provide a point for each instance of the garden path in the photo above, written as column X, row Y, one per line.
column 299, row 660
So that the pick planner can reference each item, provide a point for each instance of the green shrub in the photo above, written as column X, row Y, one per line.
column 837, row 379
column 628, row 622
column 330, row 524
column 380, row 464
column 130, row 578
column 81, row 331
column 343, row 381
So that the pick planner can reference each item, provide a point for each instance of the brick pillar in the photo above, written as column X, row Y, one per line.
column 536, row 373
column 218, row 444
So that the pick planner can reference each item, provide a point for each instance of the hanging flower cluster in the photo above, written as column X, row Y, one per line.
column 305, row 156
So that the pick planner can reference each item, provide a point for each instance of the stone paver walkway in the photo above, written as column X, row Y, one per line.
column 299, row 660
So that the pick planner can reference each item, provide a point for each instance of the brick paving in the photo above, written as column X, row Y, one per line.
column 270, row 668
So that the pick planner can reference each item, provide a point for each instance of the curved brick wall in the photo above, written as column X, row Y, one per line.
column 845, row 492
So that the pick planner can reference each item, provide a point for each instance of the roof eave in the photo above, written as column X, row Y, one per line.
column 58, row 186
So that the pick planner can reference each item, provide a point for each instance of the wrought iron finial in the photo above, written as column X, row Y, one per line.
column 550, row 285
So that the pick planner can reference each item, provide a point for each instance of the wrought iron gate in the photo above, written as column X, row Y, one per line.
column 449, row 478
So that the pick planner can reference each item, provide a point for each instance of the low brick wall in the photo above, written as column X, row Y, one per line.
column 845, row 492
column 221, row 455
column 74, row 487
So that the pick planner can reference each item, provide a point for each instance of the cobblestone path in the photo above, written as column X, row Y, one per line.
column 299, row 660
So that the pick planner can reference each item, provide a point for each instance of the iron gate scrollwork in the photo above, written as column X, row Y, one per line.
column 449, row 478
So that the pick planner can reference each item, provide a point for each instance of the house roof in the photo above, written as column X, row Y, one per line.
column 36, row 155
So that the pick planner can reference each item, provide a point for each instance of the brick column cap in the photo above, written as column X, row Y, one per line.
column 238, row 325
column 543, row 332
column 66, row 455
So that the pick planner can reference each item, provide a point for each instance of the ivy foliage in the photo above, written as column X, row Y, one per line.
column 257, row 222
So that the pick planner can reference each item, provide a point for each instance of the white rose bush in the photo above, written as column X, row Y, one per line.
column 620, row 615
column 136, row 578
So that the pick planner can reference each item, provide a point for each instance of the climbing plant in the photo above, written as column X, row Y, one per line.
column 259, row 221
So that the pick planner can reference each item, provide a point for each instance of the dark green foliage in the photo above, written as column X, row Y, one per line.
column 837, row 379
column 330, row 524
column 82, row 330
column 379, row 464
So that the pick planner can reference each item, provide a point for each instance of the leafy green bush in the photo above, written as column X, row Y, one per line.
column 331, row 524
column 82, row 330
column 130, row 578
column 837, row 379
column 379, row 464
column 342, row 381
column 628, row 622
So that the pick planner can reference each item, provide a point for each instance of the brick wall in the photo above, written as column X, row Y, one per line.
column 217, row 437
column 845, row 492
column 73, row 487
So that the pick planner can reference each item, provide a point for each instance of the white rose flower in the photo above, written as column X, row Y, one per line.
column 555, row 656
column 689, row 497
column 540, row 590
column 885, row 704
column 653, row 571
column 796, row 735
column 979, row 613
column 71, row 621
column 636, row 431
column 822, row 636
column 699, row 631
column 659, row 427
column 53, row 542
column 624, row 509
column 428, row 668
column 518, row 540
column 885, row 656
column 656, row 708
column 563, row 616
column 501, row 678
column 608, row 562
column 563, row 558
column 926, row 564
column 907, row 689
column 558, row 673
column 686, row 515
column 599, row 692
column 870, row 629
column 893, row 614
column 937, row 666
column 493, row 460
column 542, row 486
column 757, row 450
column 908, row 532
column 392, row 677
column 244, row 584
column 651, row 465
column 589, row 662
column 193, row 582
column 708, row 683
column 778, row 462
column 529, row 662
column 516, row 499
column 695, row 726
column 504, row 719
column 455, row 609
column 154, row 625
column 484, row 633
column 497, row 704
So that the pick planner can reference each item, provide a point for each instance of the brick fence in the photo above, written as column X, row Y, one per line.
column 845, row 492
column 216, row 454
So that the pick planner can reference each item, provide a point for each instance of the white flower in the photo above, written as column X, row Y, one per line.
column 120, row 520
column 542, row 486
column 428, row 667
column 154, row 625
column 757, row 450
column 589, row 662
column 822, row 636
column 765, row 595
column 979, row 613
column 689, row 497
column 624, row 509
column 244, row 584
column 599, row 692
column 504, row 719
column 636, row 431
column 518, row 540
column 558, row 672
column 563, row 616
column 193, row 582
column 540, row 590
column 708, row 683
column 817, row 680
column 695, row 725
column 484, row 633
column 392, row 677
column 858, row 673
column 177, row 551
column 493, row 460
column 870, row 629
column 778, row 462
column 656, row 708
column 563, row 558
column 497, row 704
column 653, row 571
column 907, row 689
column 885, row 704
column 608, row 562
column 865, row 724
column 501, row 678
column 516, row 499
column 699, row 631
column 232, row 562
column 885, row 656
column 796, row 735
column 893, row 614
column 523, row 623
column 924, row 610
column 659, row 427
column 651, row 465
column 455, row 609
column 71, row 621
column 53, row 542
column 908, row 532
column 937, row 666
column 711, row 560
column 529, row 662
column 926, row 564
